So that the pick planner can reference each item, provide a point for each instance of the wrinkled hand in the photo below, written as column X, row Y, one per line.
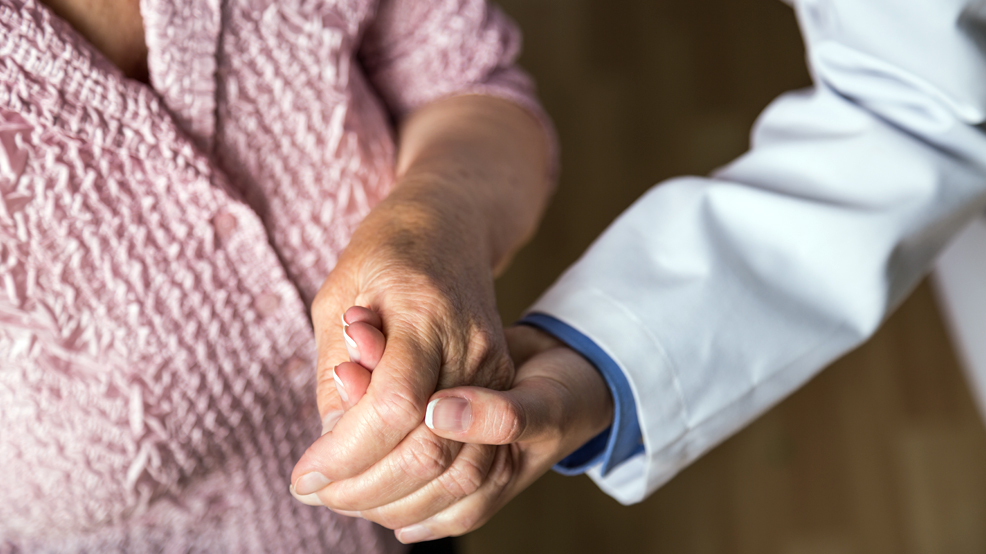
column 442, row 330
column 472, row 177
column 557, row 403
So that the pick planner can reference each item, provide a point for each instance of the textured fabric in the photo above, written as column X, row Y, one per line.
column 159, row 245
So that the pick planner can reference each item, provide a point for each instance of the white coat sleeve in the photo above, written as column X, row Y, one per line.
column 719, row 296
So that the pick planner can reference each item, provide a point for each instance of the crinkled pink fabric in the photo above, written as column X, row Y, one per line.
column 159, row 246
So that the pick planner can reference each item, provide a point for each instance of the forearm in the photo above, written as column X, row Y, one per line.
column 472, row 171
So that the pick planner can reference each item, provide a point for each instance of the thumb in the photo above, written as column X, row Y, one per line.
column 557, row 395
column 485, row 416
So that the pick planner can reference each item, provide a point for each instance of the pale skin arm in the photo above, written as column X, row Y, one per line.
column 114, row 27
column 558, row 402
column 488, row 153
column 473, row 180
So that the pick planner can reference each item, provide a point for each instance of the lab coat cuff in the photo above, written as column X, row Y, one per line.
column 622, row 439
column 616, row 331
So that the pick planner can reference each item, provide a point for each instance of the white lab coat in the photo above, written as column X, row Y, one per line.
column 719, row 296
column 960, row 281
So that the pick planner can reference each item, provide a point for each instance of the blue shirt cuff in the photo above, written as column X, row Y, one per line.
column 623, row 439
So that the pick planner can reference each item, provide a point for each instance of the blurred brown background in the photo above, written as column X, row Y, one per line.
column 883, row 452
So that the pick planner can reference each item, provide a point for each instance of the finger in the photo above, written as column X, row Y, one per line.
column 351, row 380
column 463, row 478
column 328, row 422
column 558, row 402
column 358, row 314
column 330, row 404
column 507, row 477
column 555, row 391
column 394, row 404
column 331, row 348
column 483, row 416
column 424, row 470
column 364, row 343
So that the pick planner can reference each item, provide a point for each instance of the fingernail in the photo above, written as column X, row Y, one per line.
column 347, row 513
column 330, row 420
column 340, row 388
column 414, row 533
column 310, row 483
column 351, row 347
column 449, row 414
column 310, row 499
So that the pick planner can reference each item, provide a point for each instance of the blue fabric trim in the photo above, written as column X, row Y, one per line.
column 608, row 448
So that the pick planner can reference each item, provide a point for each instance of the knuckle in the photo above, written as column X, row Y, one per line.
column 463, row 477
column 426, row 458
column 508, row 423
column 398, row 410
column 488, row 358
column 483, row 343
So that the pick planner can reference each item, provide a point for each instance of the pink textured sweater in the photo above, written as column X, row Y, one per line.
column 159, row 244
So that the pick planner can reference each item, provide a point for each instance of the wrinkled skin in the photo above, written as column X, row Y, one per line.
column 557, row 402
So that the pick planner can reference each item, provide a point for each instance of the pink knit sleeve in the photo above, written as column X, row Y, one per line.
column 417, row 51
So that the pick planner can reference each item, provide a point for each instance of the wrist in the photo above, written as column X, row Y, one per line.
column 594, row 403
column 625, row 440
column 491, row 156
column 438, row 215
column 422, row 227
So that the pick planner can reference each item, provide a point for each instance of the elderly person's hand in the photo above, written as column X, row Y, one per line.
column 472, row 181
column 557, row 403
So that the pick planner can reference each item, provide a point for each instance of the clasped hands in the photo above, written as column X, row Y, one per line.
column 434, row 417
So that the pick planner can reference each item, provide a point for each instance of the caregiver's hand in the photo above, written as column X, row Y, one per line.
column 472, row 181
column 557, row 403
